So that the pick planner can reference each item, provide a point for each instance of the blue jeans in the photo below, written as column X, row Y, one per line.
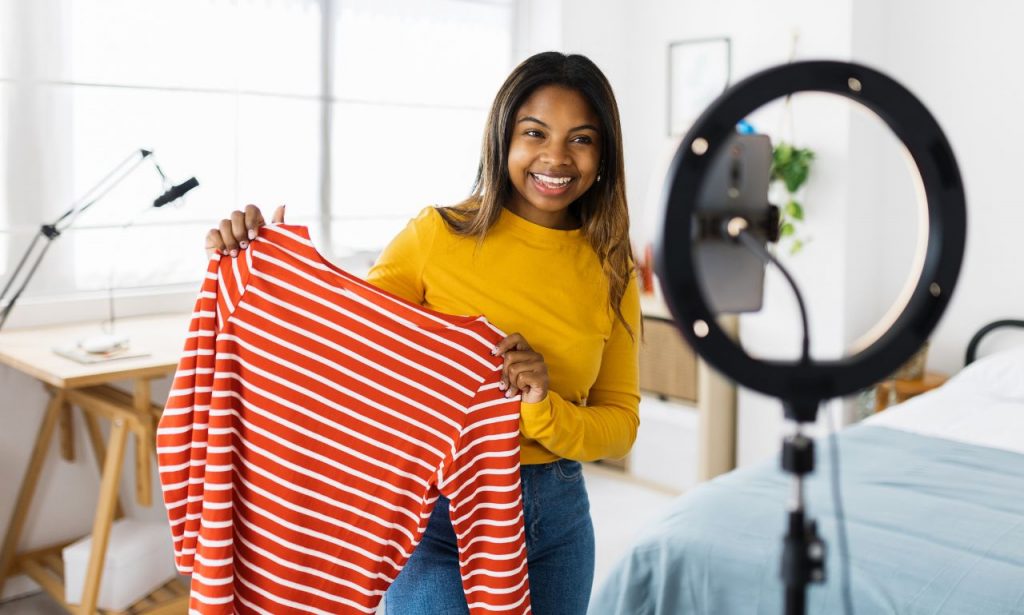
column 559, row 547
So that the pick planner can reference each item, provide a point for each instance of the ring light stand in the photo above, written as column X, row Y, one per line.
column 803, row 385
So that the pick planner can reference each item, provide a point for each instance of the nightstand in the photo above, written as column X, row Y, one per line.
column 892, row 392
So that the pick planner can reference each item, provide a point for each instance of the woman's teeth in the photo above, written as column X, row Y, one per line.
column 552, row 182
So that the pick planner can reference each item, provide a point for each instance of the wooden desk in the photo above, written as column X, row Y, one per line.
column 88, row 386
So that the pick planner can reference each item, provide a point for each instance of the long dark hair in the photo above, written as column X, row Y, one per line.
column 601, row 210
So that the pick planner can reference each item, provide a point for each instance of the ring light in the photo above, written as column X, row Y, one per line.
column 807, row 383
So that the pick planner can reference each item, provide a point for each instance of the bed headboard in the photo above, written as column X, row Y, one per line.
column 972, row 346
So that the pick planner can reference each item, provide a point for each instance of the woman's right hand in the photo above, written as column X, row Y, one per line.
column 235, row 233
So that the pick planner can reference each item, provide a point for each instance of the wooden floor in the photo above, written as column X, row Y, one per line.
column 36, row 604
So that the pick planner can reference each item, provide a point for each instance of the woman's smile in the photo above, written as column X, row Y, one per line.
column 551, row 185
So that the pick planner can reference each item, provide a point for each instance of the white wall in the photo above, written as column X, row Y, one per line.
column 761, row 36
column 958, row 58
column 963, row 62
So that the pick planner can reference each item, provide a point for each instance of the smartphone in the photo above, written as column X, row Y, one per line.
column 736, row 184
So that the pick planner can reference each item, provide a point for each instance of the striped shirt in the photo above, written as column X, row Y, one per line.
column 313, row 421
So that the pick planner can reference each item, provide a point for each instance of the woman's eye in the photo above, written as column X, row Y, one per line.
column 583, row 139
column 533, row 133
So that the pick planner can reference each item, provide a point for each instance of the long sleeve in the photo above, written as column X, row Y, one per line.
column 486, row 506
column 399, row 268
column 606, row 426
column 181, row 438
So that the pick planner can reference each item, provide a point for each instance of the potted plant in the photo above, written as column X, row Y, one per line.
column 791, row 167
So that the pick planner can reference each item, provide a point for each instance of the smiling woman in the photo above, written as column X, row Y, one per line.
column 540, row 247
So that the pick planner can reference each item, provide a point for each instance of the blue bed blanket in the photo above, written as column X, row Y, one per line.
column 934, row 526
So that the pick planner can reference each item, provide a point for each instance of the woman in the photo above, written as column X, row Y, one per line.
column 541, row 248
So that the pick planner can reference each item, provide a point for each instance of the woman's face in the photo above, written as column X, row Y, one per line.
column 554, row 155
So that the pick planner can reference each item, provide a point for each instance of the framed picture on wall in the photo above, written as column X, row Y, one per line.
column 698, row 71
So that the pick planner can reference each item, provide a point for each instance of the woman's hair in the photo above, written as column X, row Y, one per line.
column 601, row 210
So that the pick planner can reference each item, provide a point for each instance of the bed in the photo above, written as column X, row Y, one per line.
column 934, row 500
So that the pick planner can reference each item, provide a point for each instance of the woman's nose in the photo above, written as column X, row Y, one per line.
column 556, row 153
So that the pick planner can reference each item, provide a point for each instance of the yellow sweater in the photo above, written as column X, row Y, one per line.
column 547, row 285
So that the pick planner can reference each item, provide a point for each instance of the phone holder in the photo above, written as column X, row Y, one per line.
column 803, row 385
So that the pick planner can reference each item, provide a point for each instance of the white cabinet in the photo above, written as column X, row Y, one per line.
column 666, row 448
column 687, row 412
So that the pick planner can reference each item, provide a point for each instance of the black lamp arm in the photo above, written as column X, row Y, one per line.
column 51, row 231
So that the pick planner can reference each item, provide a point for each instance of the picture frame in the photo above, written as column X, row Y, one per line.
column 699, row 70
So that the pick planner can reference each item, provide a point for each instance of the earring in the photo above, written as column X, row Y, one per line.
column 598, row 177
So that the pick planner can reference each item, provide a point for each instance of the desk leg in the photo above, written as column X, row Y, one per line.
column 144, row 443
column 67, row 433
column 28, row 485
column 99, row 450
column 104, row 515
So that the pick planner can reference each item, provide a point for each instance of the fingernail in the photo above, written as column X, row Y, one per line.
column 508, row 393
column 234, row 253
column 243, row 244
column 224, row 252
column 501, row 386
column 252, row 233
column 494, row 350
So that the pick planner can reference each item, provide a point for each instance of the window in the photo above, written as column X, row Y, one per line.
column 407, row 127
column 4, row 232
column 6, row 32
column 356, row 113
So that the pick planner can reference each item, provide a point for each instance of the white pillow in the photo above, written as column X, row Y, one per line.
column 999, row 375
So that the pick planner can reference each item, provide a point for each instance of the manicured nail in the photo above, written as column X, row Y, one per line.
column 234, row 253
column 224, row 252
column 494, row 350
column 243, row 244
column 502, row 386
column 252, row 233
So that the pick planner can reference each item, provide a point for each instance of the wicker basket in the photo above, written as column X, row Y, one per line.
column 913, row 369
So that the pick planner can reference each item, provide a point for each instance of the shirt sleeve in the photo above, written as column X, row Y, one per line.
column 399, row 268
column 486, row 505
column 606, row 426
column 181, row 436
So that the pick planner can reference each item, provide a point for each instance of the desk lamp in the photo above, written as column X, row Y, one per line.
column 49, row 232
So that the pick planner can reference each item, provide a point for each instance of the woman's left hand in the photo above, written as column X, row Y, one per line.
column 524, row 369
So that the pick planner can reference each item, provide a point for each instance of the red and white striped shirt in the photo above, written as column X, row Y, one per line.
column 312, row 422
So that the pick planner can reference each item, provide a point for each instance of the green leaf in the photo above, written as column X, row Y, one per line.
column 791, row 165
column 794, row 210
column 795, row 175
column 787, row 229
column 781, row 157
column 796, row 246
